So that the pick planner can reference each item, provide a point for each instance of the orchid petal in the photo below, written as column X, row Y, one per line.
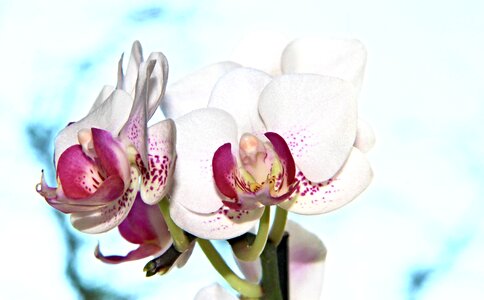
column 103, row 96
column 344, row 59
column 307, row 255
column 214, row 291
column 193, row 91
column 128, row 80
column 284, row 155
column 224, row 167
column 199, row 134
column 143, row 251
column 135, row 130
column 111, row 154
column 157, row 82
column 156, row 180
column 346, row 185
column 365, row 138
column 262, row 50
column 111, row 115
column 316, row 115
column 110, row 215
column 237, row 92
column 82, row 179
column 223, row 224
column 145, row 223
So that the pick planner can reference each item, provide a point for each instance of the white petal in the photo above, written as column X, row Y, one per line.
column 307, row 255
column 103, row 96
column 220, row 225
column 111, row 115
column 193, row 91
column 131, row 76
column 346, row 185
column 199, row 134
column 237, row 92
column 316, row 115
column 344, row 59
column 214, row 292
column 262, row 50
column 365, row 138
column 110, row 215
column 157, row 82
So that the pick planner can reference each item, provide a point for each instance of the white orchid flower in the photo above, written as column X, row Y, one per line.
column 262, row 140
column 104, row 160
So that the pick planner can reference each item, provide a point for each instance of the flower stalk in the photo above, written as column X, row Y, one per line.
column 246, row 251
column 180, row 239
column 278, row 226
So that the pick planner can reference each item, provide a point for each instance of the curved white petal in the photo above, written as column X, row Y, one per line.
column 193, row 91
column 316, row 115
column 365, row 138
column 111, row 115
column 223, row 224
column 237, row 92
column 110, row 215
column 214, row 292
column 346, row 185
column 128, row 80
column 262, row 50
column 344, row 59
column 157, row 178
column 103, row 96
column 307, row 255
column 199, row 134
column 157, row 82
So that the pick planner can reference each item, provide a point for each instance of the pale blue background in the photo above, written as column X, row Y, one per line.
column 416, row 233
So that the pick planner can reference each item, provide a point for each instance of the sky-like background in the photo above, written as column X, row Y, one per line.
column 416, row 233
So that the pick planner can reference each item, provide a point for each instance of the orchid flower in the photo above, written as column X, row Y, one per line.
column 307, row 255
column 260, row 140
column 106, row 158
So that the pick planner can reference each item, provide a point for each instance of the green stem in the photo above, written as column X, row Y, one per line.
column 180, row 240
column 278, row 226
column 250, row 252
column 245, row 288
column 270, row 273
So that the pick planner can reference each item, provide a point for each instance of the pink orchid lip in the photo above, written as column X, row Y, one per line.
column 227, row 177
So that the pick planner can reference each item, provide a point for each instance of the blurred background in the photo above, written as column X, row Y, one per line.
column 416, row 233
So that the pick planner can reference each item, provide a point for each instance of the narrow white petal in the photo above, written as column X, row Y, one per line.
column 316, row 115
column 103, row 96
column 111, row 115
column 157, row 82
column 223, row 224
column 317, row 198
column 193, row 91
column 199, row 134
column 344, row 59
column 237, row 92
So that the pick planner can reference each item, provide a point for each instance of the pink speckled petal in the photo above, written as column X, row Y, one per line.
column 157, row 178
column 111, row 115
column 199, row 134
column 237, row 92
column 143, row 251
column 307, row 255
column 316, row 116
column 83, row 180
column 110, row 215
column 220, row 225
column 135, row 130
column 193, row 91
column 224, row 167
column 214, row 291
column 346, row 185
column 157, row 81
column 284, row 154
column 365, row 138
column 103, row 96
column 344, row 59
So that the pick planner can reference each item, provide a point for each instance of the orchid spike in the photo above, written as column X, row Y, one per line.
column 100, row 159
column 144, row 226
column 288, row 140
